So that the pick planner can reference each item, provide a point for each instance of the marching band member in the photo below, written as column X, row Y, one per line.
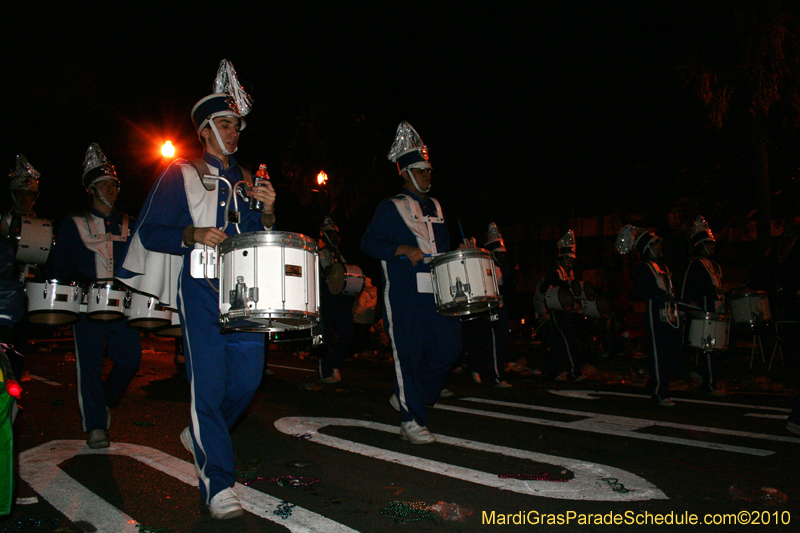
column 336, row 309
column 560, row 324
column 183, row 213
column 87, row 249
column 652, row 283
column 24, row 188
column 405, row 229
column 702, row 287
column 489, row 336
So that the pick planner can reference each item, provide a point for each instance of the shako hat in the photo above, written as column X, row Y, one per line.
column 631, row 237
column 566, row 245
column 494, row 241
column 229, row 99
column 408, row 150
column 24, row 177
column 702, row 233
column 97, row 167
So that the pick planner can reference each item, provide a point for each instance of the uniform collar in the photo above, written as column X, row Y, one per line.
column 217, row 163
column 416, row 196
column 97, row 213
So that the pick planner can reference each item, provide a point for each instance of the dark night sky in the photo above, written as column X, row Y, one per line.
column 532, row 111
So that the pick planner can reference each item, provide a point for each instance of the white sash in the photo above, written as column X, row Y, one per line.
column 421, row 226
column 102, row 244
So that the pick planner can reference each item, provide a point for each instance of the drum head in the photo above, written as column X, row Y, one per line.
column 336, row 279
column 52, row 318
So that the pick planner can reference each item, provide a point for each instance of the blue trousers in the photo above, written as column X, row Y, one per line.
column 124, row 350
column 566, row 353
column 665, row 343
column 337, row 323
column 425, row 346
column 224, row 371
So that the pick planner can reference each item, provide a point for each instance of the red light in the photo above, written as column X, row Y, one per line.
column 13, row 388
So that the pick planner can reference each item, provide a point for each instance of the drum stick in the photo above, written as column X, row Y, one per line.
column 696, row 308
column 461, row 229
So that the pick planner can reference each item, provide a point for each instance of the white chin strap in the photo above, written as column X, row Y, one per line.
column 219, row 139
column 103, row 198
column 414, row 181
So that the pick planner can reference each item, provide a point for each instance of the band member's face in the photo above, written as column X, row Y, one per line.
column 108, row 188
column 709, row 247
column 25, row 200
column 422, row 177
column 657, row 249
column 228, row 128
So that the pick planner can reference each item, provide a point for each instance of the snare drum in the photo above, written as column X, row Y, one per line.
column 34, row 240
column 345, row 279
column 105, row 302
column 750, row 308
column 464, row 282
column 709, row 332
column 146, row 312
column 53, row 302
column 268, row 282
column 559, row 298
column 600, row 307
column 174, row 328
column 583, row 290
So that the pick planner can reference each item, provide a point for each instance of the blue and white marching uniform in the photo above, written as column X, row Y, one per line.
column 224, row 369
column 560, row 327
column 336, row 311
column 425, row 344
column 652, row 284
column 87, row 249
column 700, row 285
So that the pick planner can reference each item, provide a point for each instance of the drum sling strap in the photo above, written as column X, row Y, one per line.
column 420, row 225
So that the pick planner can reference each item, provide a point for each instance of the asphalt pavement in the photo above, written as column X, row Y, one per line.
column 317, row 457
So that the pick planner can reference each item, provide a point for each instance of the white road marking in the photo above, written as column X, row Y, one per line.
column 39, row 468
column 43, row 380
column 588, row 395
column 621, row 426
column 776, row 417
column 313, row 370
column 587, row 484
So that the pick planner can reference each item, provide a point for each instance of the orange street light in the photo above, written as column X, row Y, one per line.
column 322, row 178
column 168, row 150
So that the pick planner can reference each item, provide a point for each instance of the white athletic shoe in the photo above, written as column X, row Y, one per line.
column 97, row 439
column 394, row 402
column 186, row 440
column 225, row 504
column 446, row 393
column 502, row 385
column 416, row 434
column 666, row 402
column 476, row 378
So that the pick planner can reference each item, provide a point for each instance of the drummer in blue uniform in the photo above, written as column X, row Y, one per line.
column 702, row 287
column 652, row 284
column 336, row 309
column 182, row 218
column 405, row 231
column 560, row 327
column 87, row 250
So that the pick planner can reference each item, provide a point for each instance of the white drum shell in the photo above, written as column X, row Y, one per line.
column 345, row 279
column 173, row 329
column 53, row 302
column 464, row 282
column 146, row 312
column 750, row 308
column 559, row 299
column 35, row 240
column 279, row 271
column 600, row 307
column 105, row 302
column 709, row 332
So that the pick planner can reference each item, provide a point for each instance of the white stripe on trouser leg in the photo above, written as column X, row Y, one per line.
column 78, row 373
column 566, row 345
column 390, row 331
column 655, row 349
column 192, row 408
column 494, row 357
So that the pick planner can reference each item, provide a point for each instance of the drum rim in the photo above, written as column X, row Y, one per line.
column 447, row 256
column 55, row 282
column 717, row 317
column 111, row 285
column 248, row 240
